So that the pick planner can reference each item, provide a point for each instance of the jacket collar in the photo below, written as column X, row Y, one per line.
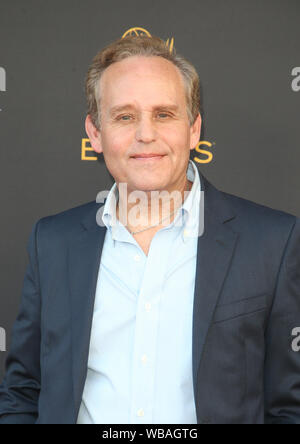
column 216, row 203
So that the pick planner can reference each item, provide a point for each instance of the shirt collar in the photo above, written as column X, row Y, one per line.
column 188, row 217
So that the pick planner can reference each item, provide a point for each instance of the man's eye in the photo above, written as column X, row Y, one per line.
column 164, row 115
column 124, row 117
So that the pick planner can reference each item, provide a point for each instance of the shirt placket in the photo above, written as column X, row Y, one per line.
column 146, row 332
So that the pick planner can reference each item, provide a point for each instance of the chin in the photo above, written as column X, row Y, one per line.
column 149, row 187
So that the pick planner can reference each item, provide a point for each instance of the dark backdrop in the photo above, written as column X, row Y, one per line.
column 245, row 52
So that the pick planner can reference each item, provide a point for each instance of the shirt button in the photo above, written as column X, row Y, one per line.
column 137, row 258
column 186, row 232
column 148, row 306
column 144, row 359
column 140, row 413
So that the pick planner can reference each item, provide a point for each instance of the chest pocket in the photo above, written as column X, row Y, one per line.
column 242, row 307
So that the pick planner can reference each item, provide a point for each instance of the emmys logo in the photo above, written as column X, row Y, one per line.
column 296, row 81
column 2, row 340
column 87, row 152
column 296, row 341
column 141, row 31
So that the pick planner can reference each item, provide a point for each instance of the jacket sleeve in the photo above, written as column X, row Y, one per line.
column 282, row 358
column 20, row 388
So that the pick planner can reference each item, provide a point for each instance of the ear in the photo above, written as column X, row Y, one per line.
column 195, row 132
column 94, row 134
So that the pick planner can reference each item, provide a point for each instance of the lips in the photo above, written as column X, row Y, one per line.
column 148, row 156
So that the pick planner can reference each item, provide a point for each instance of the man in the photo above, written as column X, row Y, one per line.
column 129, row 320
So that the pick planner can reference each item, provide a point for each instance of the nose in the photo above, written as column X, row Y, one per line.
column 145, row 131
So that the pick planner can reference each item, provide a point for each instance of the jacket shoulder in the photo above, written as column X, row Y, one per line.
column 250, row 212
column 66, row 222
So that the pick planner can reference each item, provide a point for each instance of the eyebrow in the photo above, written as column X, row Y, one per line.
column 116, row 109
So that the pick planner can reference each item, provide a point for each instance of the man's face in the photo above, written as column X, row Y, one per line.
column 143, row 111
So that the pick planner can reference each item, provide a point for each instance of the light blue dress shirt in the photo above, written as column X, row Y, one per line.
column 140, row 356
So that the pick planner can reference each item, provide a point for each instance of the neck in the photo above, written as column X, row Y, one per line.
column 147, row 212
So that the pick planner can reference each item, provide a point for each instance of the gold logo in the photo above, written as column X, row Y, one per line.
column 85, row 149
column 141, row 31
column 136, row 31
column 87, row 155
column 204, row 152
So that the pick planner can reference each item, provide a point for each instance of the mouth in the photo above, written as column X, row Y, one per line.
column 148, row 157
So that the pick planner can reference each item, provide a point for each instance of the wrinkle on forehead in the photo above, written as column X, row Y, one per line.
column 155, row 70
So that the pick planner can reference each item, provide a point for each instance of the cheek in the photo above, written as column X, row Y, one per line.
column 176, row 138
column 117, row 141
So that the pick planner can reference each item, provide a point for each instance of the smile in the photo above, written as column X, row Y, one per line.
column 148, row 159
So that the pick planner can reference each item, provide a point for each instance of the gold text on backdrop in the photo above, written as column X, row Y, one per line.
column 142, row 31
column 86, row 149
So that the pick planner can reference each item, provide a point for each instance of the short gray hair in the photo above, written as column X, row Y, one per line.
column 142, row 45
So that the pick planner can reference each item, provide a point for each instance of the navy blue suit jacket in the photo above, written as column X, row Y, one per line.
column 246, row 305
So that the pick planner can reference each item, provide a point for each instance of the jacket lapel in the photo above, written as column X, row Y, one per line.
column 214, row 253
column 83, row 265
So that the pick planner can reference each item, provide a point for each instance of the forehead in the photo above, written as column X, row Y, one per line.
column 142, row 78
